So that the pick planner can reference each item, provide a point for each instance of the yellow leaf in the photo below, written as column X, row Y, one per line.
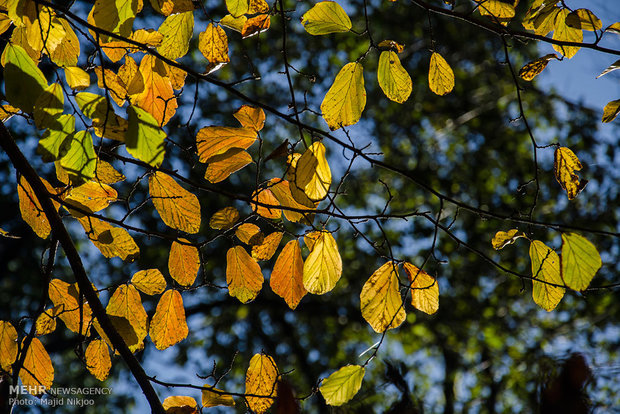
column 5, row 22
column 243, row 275
column 91, row 196
column 261, row 379
column 584, row 19
column 393, row 78
column 346, row 98
column 564, row 165
column 74, row 313
column 106, row 174
column 263, row 198
column 310, row 238
column 31, row 209
column 282, row 192
column 179, row 404
column 544, row 22
column 68, row 51
column 105, row 121
column 326, row 17
column 131, row 76
column 77, row 78
column 37, row 370
column 545, row 269
column 177, row 30
column 580, row 261
column 149, row 37
column 611, row 110
column 80, row 158
column 533, row 69
column 250, row 117
column 286, row 278
column 49, row 106
column 7, row 111
column 497, row 9
column 24, row 81
column 222, row 166
column 46, row 322
column 613, row 28
column 214, row 397
column 167, row 7
column 213, row 44
column 111, row 241
column 504, row 238
column 323, row 266
column 312, row 174
column 113, row 84
column 268, row 247
column 566, row 33
column 168, row 325
column 391, row 45
column 424, row 289
column 177, row 76
column 157, row 97
column 380, row 301
column 145, row 139
column 212, row 141
column 128, row 316
column 183, row 263
column 257, row 6
column 255, row 25
column 250, row 234
column 224, row 219
column 235, row 23
column 342, row 385
column 150, row 281
column 8, row 345
column 178, row 208
column 237, row 7
column 440, row 75
column 54, row 142
column 98, row 359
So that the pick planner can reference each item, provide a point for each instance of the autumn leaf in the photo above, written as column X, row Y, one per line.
column 150, row 281
column 180, row 404
column 178, row 208
column 31, row 209
column 213, row 44
column 564, row 165
column 234, row 23
column 212, row 141
column 222, row 166
column 128, row 316
column 261, row 199
column 380, row 301
column 440, row 75
column 106, row 174
column 424, row 289
column 46, row 322
column 584, row 19
column 177, row 30
column 167, row 7
column 73, row 310
column 24, row 81
column 266, row 249
column 312, row 174
column 237, row 7
column 580, row 261
column 613, row 67
column 91, row 196
column 111, row 241
column 250, row 117
column 145, row 139
column 545, row 270
column 326, row 17
column 168, row 325
column 564, row 32
column 80, row 159
column 37, row 369
column 504, row 238
column 286, row 278
column 8, row 345
column 214, row 397
column 243, row 275
column 183, row 263
column 157, row 98
column 49, row 106
column 77, row 78
column 224, row 219
column 261, row 379
column 255, row 25
column 611, row 110
column 346, row 98
column 323, row 266
column 342, row 385
column 249, row 233
column 534, row 68
column 282, row 192
column 97, row 358
column 393, row 79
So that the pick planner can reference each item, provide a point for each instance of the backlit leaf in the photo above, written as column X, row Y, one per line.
column 564, row 166
column 77, row 78
column 504, row 238
column 150, row 281
column 614, row 66
column 213, row 399
column 611, row 110
column 326, row 17
column 91, row 196
column 613, row 28
column 440, row 75
column 255, row 25
column 222, row 166
column 323, row 266
column 312, row 174
column 282, row 192
column 580, row 261
column 7, row 111
column 8, row 345
column 113, row 84
column 168, row 325
column 145, row 139
column 584, row 19
column 545, row 268
column 24, row 81
column 342, row 385
column 534, row 68
column 48, row 106
column 183, row 263
column 224, row 219
column 250, row 117
column 80, row 160
column 212, row 141
column 566, row 33
column 31, row 209
column 106, row 123
column 261, row 379
column 213, row 44
column 243, row 275
column 76, row 315
column 106, row 174
column 46, row 322
column 37, row 369
column 180, row 404
column 250, row 234
column 380, row 301
column 235, row 23
column 111, row 241
column 266, row 249
column 128, row 316
column 257, row 6
column 178, row 208
column 287, row 276
column 68, row 50
column 167, row 7
column 98, row 359
column 157, row 98
column 346, row 98
column 263, row 198
column 393, row 78
column 424, row 289
column 177, row 30
column 498, row 10
column 391, row 45
column 237, row 7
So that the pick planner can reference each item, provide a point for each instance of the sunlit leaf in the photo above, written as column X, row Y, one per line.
column 224, row 219
column 323, row 266
column 111, row 241
column 235, row 23
column 157, row 98
column 564, row 166
column 211, row 398
column 183, row 263
column 614, row 66
column 75, row 313
column 106, row 123
column 250, row 117
column 37, row 369
column 128, row 316
column 31, row 209
column 24, row 81
column 178, row 208
column 391, row 45
column 257, row 6
column 180, row 404
column 255, row 25
column 150, row 281
column 177, row 30
column 424, row 289
column 145, row 139
column 380, row 301
column 282, row 192
column 97, row 358
column 68, row 50
column 326, row 17
column 222, row 166
column 287, row 276
column 167, row 7
column 342, row 385
column 46, row 322
column 613, row 28
column 106, row 174
column 77, row 78
column 393, row 78
column 243, row 275
column 249, row 234
column 213, row 44
column 440, row 75
column 611, row 110
column 346, row 98
column 49, row 106
column 566, row 33
column 580, row 261
column 113, row 84
column 212, row 141
column 8, row 345
column 504, row 238
column 312, row 174
column 266, row 249
column 7, row 111
column 80, row 159
column 261, row 379
column 91, row 196
column 498, row 10
column 534, row 68
column 168, row 325
column 545, row 270
column 584, row 19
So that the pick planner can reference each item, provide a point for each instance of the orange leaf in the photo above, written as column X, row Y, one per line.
column 250, row 117
column 281, row 189
column 75, row 314
column 46, row 322
column 255, row 25
column 243, row 275
column 224, row 219
column 150, row 281
column 424, row 289
column 128, row 316
column 168, row 325
column 222, row 166
column 261, row 379
column 106, row 174
column 268, row 247
column 111, row 82
column 91, row 196
column 179, row 404
column 37, row 370
column 249, row 234
column 8, row 345
column 178, row 208
column 265, row 197
column 98, row 359
column 31, row 209
column 213, row 43
column 111, row 241
column 212, row 141
column 287, row 276
column 183, row 263
column 157, row 98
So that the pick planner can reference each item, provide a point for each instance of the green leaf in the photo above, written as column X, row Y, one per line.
column 53, row 145
column 48, row 106
column 80, row 160
column 393, row 78
column 237, row 8
column 177, row 30
column 580, row 261
column 23, row 80
column 346, row 98
column 545, row 268
column 326, row 17
column 144, row 139
column 342, row 385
